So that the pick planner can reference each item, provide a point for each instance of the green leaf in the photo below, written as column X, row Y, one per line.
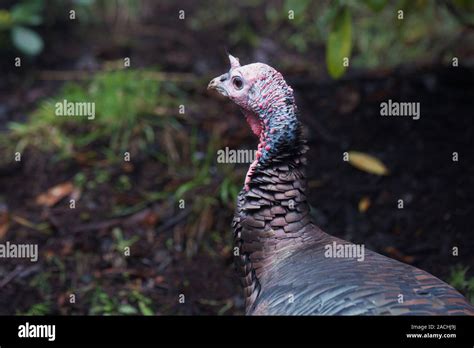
column 144, row 309
column 376, row 5
column 470, row 285
column 464, row 4
column 83, row 2
column 26, row 40
column 339, row 43
column 27, row 13
column 5, row 19
column 127, row 309
column 299, row 7
column 224, row 190
column 458, row 277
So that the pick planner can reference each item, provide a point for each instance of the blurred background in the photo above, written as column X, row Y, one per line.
column 172, row 203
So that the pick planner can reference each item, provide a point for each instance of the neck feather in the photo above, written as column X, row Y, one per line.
column 272, row 213
column 272, row 104
column 271, row 113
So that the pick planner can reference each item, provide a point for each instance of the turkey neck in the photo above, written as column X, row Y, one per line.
column 272, row 215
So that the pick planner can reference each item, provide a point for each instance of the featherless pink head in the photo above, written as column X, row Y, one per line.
column 251, row 86
column 266, row 101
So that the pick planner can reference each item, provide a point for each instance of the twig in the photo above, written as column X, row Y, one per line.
column 19, row 270
column 130, row 219
column 173, row 221
column 97, row 225
column 10, row 276
column 68, row 75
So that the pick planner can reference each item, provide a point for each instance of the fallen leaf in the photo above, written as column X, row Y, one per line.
column 151, row 219
column 397, row 254
column 127, row 167
column 75, row 194
column 4, row 225
column 85, row 158
column 159, row 279
column 24, row 222
column 364, row 204
column 4, row 221
column 48, row 254
column 55, row 194
column 367, row 163
column 160, row 111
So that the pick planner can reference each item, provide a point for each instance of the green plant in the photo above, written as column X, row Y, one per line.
column 339, row 43
column 228, row 191
column 125, row 119
column 121, row 242
column 43, row 308
column 372, row 40
column 354, row 33
column 130, row 303
column 201, row 166
column 459, row 280
column 102, row 303
column 17, row 21
column 41, row 282
column 142, row 302
column 123, row 183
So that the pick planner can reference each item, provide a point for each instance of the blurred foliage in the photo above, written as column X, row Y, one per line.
column 125, row 116
column 228, row 190
column 339, row 43
column 16, row 23
column 372, row 29
column 369, row 32
column 121, row 242
column 43, row 308
column 459, row 280
column 131, row 303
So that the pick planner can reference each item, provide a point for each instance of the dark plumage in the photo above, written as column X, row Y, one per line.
column 282, row 261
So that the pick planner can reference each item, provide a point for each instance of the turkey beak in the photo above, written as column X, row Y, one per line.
column 217, row 84
column 213, row 84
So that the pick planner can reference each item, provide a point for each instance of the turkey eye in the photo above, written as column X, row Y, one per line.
column 237, row 82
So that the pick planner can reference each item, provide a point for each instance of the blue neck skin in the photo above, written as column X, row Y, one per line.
column 271, row 101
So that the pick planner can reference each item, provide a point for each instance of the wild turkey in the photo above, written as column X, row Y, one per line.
column 283, row 261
